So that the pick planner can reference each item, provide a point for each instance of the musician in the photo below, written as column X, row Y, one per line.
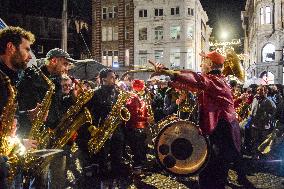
column 32, row 90
column 135, row 127
column 217, row 116
column 262, row 114
column 15, row 54
column 101, row 105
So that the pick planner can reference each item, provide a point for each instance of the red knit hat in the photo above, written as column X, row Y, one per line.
column 138, row 85
column 214, row 56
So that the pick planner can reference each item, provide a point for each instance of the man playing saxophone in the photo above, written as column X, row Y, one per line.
column 43, row 86
column 101, row 105
column 14, row 56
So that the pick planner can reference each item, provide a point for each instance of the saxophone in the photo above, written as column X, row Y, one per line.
column 118, row 114
column 72, row 120
column 38, row 132
column 7, row 144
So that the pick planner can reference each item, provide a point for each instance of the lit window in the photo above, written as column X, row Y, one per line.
column 109, row 33
column 159, row 32
column 175, row 32
column 115, row 33
column 268, row 53
column 104, row 33
column 143, row 34
column 267, row 15
column 142, row 57
column 261, row 16
column 175, row 58
column 159, row 12
column 159, row 54
column 190, row 32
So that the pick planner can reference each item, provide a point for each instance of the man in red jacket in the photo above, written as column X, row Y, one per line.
column 138, row 122
column 217, row 116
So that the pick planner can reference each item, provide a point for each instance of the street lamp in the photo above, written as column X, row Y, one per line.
column 224, row 35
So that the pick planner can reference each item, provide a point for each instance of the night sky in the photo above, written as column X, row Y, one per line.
column 225, row 15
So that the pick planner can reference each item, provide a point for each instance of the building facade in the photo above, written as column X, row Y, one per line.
column 172, row 32
column 113, row 32
column 263, row 23
column 43, row 19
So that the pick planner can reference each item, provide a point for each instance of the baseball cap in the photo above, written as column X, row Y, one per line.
column 214, row 56
column 56, row 52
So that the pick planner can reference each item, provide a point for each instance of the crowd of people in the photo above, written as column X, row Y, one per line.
column 207, row 99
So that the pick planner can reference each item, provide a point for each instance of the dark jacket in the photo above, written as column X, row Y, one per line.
column 32, row 89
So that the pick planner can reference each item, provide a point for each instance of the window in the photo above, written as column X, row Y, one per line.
column 159, row 12
column 127, row 10
column 143, row 34
column 143, row 13
column 190, row 12
column 190, row 32
column 267, row 15
column 109, row 33
column 189, row 58
column 175, row 58
column 261, row 16
column 115, row 10
column 159, row 32
column 104, row 33
column 110, row 15
column 158, row 55
column 104, row 58
column 115, row 33
column 175, row 32
column 268, row 53
column 115, row 59
column 126, row 60
column 126, row 32
column 142, row 58
column 104, row 16
column 175, row 11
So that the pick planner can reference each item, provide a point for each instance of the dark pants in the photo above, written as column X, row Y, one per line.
column 113, row 147
column 223, row 153
column 4, row 167
column 136, row 140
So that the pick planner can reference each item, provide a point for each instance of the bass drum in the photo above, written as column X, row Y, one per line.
column 180, row 149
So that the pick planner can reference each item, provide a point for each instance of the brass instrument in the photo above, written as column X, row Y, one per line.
column 232, row 65
column 38, row 132
column 266, row 145
column 119, row 113
column 7, row 145
column 72, row 120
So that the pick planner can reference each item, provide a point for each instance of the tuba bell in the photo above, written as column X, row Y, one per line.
column 232, row 65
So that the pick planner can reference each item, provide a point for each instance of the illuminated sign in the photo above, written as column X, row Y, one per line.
column 225, row 43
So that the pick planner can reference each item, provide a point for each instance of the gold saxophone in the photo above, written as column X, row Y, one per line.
column 38, row 132
column 119, row 113
column 7, row 146
column 72, row 120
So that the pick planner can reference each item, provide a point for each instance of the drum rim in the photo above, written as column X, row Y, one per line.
column 173, row 173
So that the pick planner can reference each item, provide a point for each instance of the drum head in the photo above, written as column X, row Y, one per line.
column 180, row 149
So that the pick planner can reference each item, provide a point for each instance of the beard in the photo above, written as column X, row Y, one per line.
column 18, row 62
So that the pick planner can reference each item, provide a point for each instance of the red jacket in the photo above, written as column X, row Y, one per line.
column 215, row 101
column 138, row 111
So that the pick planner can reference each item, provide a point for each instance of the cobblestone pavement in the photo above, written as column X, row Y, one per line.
column 262, row 175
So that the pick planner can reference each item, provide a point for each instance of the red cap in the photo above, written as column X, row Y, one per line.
column 214, row 56
column 138, row 85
